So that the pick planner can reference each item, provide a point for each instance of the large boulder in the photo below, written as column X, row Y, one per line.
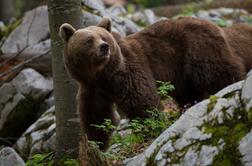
column 32, row 84
column 16, row 112
column 8, row 157
column 33, row 29
column 216, row 131
column 22, row 101
column 30, row 41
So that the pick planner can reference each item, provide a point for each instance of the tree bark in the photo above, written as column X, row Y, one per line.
column 89, row 155
column 67, row 124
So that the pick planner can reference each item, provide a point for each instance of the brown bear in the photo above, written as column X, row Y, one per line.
column 198, row 57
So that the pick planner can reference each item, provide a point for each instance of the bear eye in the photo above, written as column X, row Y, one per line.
column 89, row 40
column 103, row 38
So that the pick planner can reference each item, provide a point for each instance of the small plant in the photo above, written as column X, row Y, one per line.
column 106, row 126
column 188, row 10
column 41, row 160
column 95, row 144
column 149, row 3
column 143, row 131
column 150, row 128
column 48, row 160
column 221, row 23
column 71, row 162
column 164, row 88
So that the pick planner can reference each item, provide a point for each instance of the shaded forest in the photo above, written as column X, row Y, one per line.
column 39, row 120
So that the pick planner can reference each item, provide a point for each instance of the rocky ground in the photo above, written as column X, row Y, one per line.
column 217, row 130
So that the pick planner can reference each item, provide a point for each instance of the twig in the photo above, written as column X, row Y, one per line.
column 12, row 58
column 5, row 140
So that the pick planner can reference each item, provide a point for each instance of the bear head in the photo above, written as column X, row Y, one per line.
column 88, row 50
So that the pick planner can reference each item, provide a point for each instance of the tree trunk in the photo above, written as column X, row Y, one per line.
column 89, row 155
column 67, row 121
column 6, row 10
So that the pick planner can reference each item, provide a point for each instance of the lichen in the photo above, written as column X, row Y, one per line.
column 212, row 102
column 225, row 136
column 231, row 131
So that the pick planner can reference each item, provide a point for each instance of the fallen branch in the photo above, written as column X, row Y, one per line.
column 21, row 65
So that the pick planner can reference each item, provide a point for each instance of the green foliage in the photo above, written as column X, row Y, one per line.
column 221, row 23
column 231, row 131
column 71, row 162
column 188, row 10
column 6, row 30
column 164, row 88
column 41, row 160
column 130, row 8
column 143, row 131
column 213, row 100
column 106, row 126
column 94, row 144
column 48, row 160
column 149, row 3
column 150, row 128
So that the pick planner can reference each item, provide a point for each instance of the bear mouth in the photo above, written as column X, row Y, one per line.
column 104, row 54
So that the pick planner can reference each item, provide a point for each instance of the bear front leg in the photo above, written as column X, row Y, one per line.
column 94, row 109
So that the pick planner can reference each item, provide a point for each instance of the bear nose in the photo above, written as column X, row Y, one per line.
column 104, row 47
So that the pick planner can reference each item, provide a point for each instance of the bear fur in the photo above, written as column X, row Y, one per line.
column 196, row 56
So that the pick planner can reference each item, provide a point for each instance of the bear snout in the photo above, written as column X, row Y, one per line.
column 104, row 50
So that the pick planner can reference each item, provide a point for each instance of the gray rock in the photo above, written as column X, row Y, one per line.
column 49, row 102
column 97, row 5
column 7, row 91
column 129, row 26
column 225, row 11
column 144, row 18
column 30, row 83
column 214, row 13
column 40, row 137
column 8, row 157
column 121, row 25
column 90, row 19
column 2, row 25
column 150, row 16
column 9, row 101
column 230, row 89
column 245, row 147
column 117, row 10
column 16, row 113
column 33, row 29
column 207, row 16
column 247, row 90
column 138, row 17
column 207, row 154
column 192, row 140
column 43, row 63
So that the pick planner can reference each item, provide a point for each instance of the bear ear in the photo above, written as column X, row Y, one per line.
column 66, row 31
column 105, row 23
